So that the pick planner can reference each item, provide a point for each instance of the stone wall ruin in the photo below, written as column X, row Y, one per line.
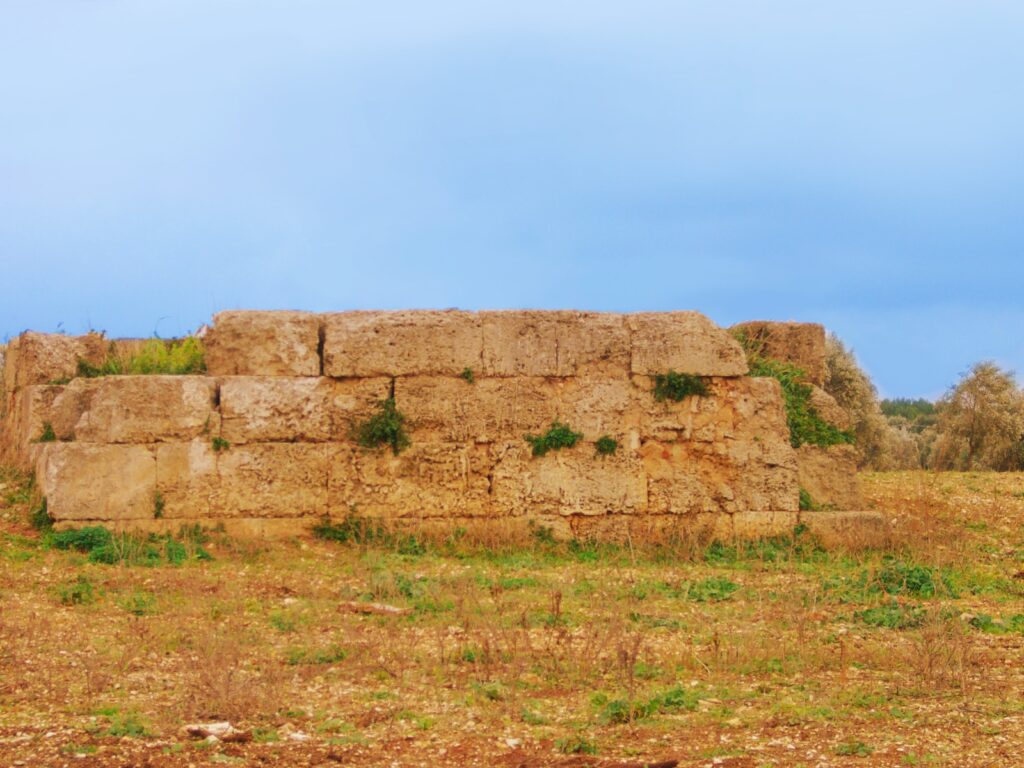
column 264, row 441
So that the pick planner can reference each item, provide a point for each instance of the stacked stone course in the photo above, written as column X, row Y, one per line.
column 285, row 390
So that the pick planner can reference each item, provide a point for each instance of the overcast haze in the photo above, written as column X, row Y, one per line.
column 858, row 164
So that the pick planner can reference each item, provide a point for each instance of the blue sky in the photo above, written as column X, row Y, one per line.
column 858, row 164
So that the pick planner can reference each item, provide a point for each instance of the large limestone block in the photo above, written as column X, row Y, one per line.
column 802, row 344
column 829, row 475
column 746, row 414
column 272, row 343
column 401, row 343
column 42, row 358
column 759, row 524
column 828, row 408
column 258, row 480
column 98, row 482
column 30, row 412
column 439, row 480
column 281, row 409
column 570, row 481
column 449, row 409
column 564, row 343
column 691, row 478
column 686, row 342
column 142, row 409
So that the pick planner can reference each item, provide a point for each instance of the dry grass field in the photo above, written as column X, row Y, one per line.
column 526, row 652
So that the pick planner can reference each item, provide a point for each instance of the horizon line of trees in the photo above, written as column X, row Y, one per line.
column 977, row 425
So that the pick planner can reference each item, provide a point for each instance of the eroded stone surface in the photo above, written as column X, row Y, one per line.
column 401, row 343
column 570, row 481
column 258, row 480
column 829, row 410
column 280, row 409
column 274, row 343
column 686, row 342
column 829, row 475
column 43, row 358
column 530, row 343
column 98, row 482
column 439, row 480
column 802, row 344
column 143, row 409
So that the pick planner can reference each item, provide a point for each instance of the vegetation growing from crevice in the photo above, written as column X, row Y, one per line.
column 606, row 445
column 47, row 435
column 155, row 356
column 558, row 437
column 39, row 516
column 806, row 427
column 384, row 428
column 219, row 444
column 807, row 504
column 468, row 376
column 677, row 386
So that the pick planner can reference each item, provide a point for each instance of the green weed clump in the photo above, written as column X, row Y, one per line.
column 675, row 699
column 892, row 615
column 468, row 376
column 805, row 425
column 387, row 427
column 103, row 546
column 178, row 357
column 219, row 444
column 40, row 518
column 77, row 592
column 558, row 437
column 807, row 503
column 606, row 445
column 678, row 386
column 47, row 435
column 359, row 530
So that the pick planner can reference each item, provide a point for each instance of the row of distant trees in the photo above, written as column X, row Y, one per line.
column 977, row 424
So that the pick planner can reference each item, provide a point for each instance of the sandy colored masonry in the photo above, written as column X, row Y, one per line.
column 265, row 440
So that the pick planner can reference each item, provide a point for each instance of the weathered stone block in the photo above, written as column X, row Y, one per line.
column 280, row 409
column 690, row 478
column 829, row 475
column 42, row 358
column 828, row 408
column 258, row 480
column 29, row 413
column 686, row 342
column 532, row 343
column 140, row 409
column 571, row 481
column 449, row 409
column 401, row 343
column 276, row 343
column 439, row 480
column 802, row 344
column 98, row 482
column 759, row 524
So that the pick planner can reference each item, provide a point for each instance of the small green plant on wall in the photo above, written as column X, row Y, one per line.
column 606, row 445
column 678, row 386
column 558, row 437
column 47, row 435
column 220, row 444
column 386, row 427
column 468, row 376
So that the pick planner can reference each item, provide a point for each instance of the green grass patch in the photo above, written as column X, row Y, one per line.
column 892, row 615
column 104, row 546
column 179, row 357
